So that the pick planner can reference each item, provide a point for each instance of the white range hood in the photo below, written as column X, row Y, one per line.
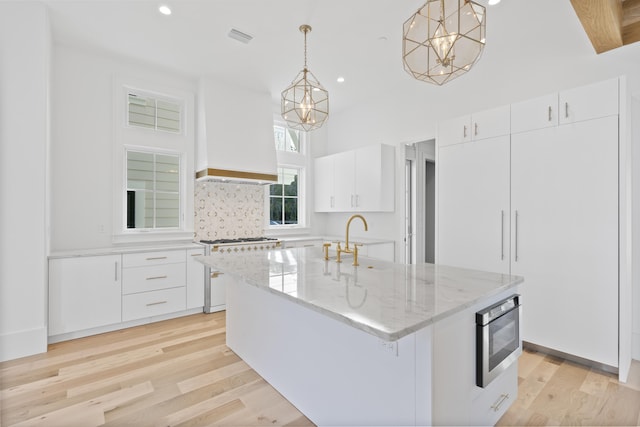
column 235, row 134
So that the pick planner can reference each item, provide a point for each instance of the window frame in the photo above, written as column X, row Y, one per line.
column 139, row 138
column 300, row 172
column 291, row 160
column 144, row 94
column 181, row 213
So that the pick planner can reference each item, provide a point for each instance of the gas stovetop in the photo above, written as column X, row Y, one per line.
column 242, row 244
column 239, row 240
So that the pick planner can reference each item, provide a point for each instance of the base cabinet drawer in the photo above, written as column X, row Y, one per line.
column 155, row 303
column 153, row 278
column 152, row 258
column 496, row 398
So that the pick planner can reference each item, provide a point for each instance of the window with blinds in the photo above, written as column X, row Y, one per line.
column 153, row 190
column 149, row 112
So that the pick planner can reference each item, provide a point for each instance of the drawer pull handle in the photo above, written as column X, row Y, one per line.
column 156, row 303
column 156, row 257
column 496, row 406
column 156, row 277
column 197, row 254
column 215, row 274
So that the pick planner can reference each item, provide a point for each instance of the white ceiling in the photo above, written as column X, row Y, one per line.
column 357, row 39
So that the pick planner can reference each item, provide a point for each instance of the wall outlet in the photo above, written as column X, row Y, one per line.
column 391, row 347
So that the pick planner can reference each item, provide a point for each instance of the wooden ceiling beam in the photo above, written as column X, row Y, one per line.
column 630, row 21
column 602, row 21
column 630, row 12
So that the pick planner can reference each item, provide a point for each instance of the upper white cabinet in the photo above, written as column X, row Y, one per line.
column 344, row 180
column 454, row 131
column 537, row 113
column 589, row 102
column 574, row 105
column 325, row 200
column 359, row 180
column 374, row 179
column 84, row 292
column 475, row 127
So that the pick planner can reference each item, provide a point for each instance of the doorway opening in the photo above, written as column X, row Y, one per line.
column 420, row 202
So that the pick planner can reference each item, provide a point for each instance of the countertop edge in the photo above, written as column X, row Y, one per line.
column 384, row 335
column 115, row 250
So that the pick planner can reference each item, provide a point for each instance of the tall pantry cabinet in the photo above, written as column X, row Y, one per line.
column 473, row 197
column 559, row 169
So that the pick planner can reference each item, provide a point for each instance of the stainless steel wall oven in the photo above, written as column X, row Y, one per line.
column 498, row 342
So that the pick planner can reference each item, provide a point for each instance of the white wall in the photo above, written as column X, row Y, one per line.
column 25, row 46
column 82, row 142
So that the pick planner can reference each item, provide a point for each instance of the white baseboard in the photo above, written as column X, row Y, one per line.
column 23, row 343
column 117, row 326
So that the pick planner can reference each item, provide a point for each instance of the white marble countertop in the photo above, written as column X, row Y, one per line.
column 385, row 299
column 125, row 249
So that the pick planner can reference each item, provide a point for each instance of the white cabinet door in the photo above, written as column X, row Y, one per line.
column 490, row 123
column 454, row 131
column 565, row 237
column 589, row 102
column 481, row 125
column 195, row 279
column 374, row 180
column 473, row 205
column 344, row 181
column 359, row 180
column 537, row 113
column 84, row 293
column 324, row 184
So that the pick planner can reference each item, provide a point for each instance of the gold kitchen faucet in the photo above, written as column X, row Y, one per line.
column 347, row 249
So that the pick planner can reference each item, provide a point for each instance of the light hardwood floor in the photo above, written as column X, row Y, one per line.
column 180, row 373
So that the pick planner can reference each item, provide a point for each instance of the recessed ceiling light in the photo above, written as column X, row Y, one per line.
column 164, row 9
column 493, row 2
column 340, row 79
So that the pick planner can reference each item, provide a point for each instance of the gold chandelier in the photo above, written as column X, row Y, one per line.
column 443, row 40
column 305, row 103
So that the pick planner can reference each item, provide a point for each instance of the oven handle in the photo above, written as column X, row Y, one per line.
column 496, row 311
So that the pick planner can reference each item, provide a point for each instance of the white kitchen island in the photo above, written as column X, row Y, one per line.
column 377, row 344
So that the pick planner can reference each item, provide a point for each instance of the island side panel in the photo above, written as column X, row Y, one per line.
column 456, row 398
column 333, row 373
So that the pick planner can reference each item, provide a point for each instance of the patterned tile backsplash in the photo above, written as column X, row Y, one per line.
column 227, row 210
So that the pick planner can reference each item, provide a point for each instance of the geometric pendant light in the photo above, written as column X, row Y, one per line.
column 305, row 103
column 443, row 40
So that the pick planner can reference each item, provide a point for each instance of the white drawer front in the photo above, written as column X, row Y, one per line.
column 153, row 278
column 147, row 304
column 153, row 258
column 494, row 400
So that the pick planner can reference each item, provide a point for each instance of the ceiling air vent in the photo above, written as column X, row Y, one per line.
column 240, row 36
